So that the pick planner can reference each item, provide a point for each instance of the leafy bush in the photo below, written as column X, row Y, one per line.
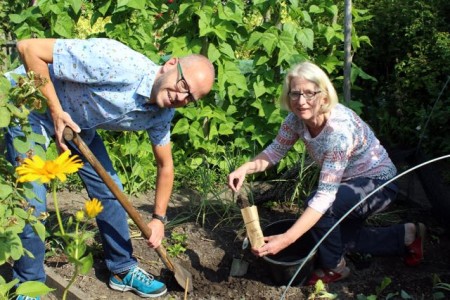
column 410, row 58
column 15, row 213
column 251, row 44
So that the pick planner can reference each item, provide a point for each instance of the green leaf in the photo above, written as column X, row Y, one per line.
column 39, row 229
column 21, row 114
column 64, row 26
column 181, row 127
column 329, row 33
column 103, row 9
column 37, row 138
column 248, row 124
column 194, row 162
column 6, row 286
column 286, row 44
column 259, row 88
column 306, row 17
column 5, row 86
column 19, row 212
column 21, row 144
column 306, row 37
column 76, row 5
column 10, row 245
column 28, row 192
column 227, row 50
column 254, row 38
column 226, row 128
column 5, row 117
column 233, row 75
column 33, row 289
column 86, row 264
column 39, row 151
column 333, row 9
column 196, row 131
column 213, row 132
column 269, row 42
column 137, row 4
column 213, row 53
column 316, row 9
column 17, row 19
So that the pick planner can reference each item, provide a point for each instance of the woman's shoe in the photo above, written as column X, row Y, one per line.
column 414, row 255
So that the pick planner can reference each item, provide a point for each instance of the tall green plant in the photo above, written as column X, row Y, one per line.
column 252, row 45
column 410, row 57
column 15, row 213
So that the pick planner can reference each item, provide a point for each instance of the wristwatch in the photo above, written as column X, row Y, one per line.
column 163, row 219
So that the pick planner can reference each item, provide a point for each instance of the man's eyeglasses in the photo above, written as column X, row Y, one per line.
column 308, row 95
column 182, row 85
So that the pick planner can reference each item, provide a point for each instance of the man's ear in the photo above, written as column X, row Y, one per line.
column 168, row 65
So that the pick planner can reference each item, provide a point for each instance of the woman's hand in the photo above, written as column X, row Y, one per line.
column 274, row 244
column 236, row 178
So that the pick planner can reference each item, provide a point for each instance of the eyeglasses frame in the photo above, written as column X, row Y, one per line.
column 300, row 94
column 190, row 97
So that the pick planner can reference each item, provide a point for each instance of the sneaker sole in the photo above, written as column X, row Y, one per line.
column 126, row 288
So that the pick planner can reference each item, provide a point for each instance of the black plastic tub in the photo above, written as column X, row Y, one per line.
column 285, row 263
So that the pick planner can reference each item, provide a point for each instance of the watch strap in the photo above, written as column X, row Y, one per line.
column 163, row 219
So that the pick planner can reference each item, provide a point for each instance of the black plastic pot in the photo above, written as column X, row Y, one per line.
column 285, row 263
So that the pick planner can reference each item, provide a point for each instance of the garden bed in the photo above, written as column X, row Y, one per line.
column 211, row 249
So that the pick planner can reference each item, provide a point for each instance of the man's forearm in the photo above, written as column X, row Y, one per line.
column 36, row 54
column 164, row 186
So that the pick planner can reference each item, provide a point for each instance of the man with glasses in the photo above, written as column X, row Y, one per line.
column 353, row 164
column 103, row 84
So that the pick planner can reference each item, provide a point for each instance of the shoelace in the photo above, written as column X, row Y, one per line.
column 141, row 275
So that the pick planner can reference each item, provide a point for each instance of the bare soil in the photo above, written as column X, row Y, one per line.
column 212, row 247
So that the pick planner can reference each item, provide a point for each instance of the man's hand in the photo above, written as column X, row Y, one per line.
column 157, row 228
column 62, row 120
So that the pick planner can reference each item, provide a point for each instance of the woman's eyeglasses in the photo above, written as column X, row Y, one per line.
column 308, row 95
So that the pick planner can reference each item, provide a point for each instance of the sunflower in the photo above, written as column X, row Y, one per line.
column 45, row 171
column 93, row 207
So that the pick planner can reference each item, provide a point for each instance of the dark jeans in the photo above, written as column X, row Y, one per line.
column 350, row 235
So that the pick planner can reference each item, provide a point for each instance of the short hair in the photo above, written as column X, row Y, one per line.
column 316, row 75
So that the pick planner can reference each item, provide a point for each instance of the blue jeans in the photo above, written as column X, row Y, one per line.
column 112, row 221
column 351, row 235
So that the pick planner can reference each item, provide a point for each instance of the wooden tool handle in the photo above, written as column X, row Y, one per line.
column 71, row 135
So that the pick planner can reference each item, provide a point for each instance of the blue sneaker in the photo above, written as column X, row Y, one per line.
column 140, row 282
column 22, row 297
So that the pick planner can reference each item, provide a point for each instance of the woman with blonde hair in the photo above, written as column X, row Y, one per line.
column 352, row 163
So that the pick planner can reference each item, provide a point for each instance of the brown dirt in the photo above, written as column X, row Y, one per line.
column 210, row 251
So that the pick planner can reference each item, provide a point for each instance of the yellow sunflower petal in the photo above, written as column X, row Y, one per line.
column 93, row 207
column 62, row 157
column 62, row 177
column 32, row 169
column 68, row 164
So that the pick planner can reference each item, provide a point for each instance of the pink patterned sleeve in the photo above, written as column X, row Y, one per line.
column 285, row 139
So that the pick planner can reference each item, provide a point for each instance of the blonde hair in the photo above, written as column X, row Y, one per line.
column 314, row 74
